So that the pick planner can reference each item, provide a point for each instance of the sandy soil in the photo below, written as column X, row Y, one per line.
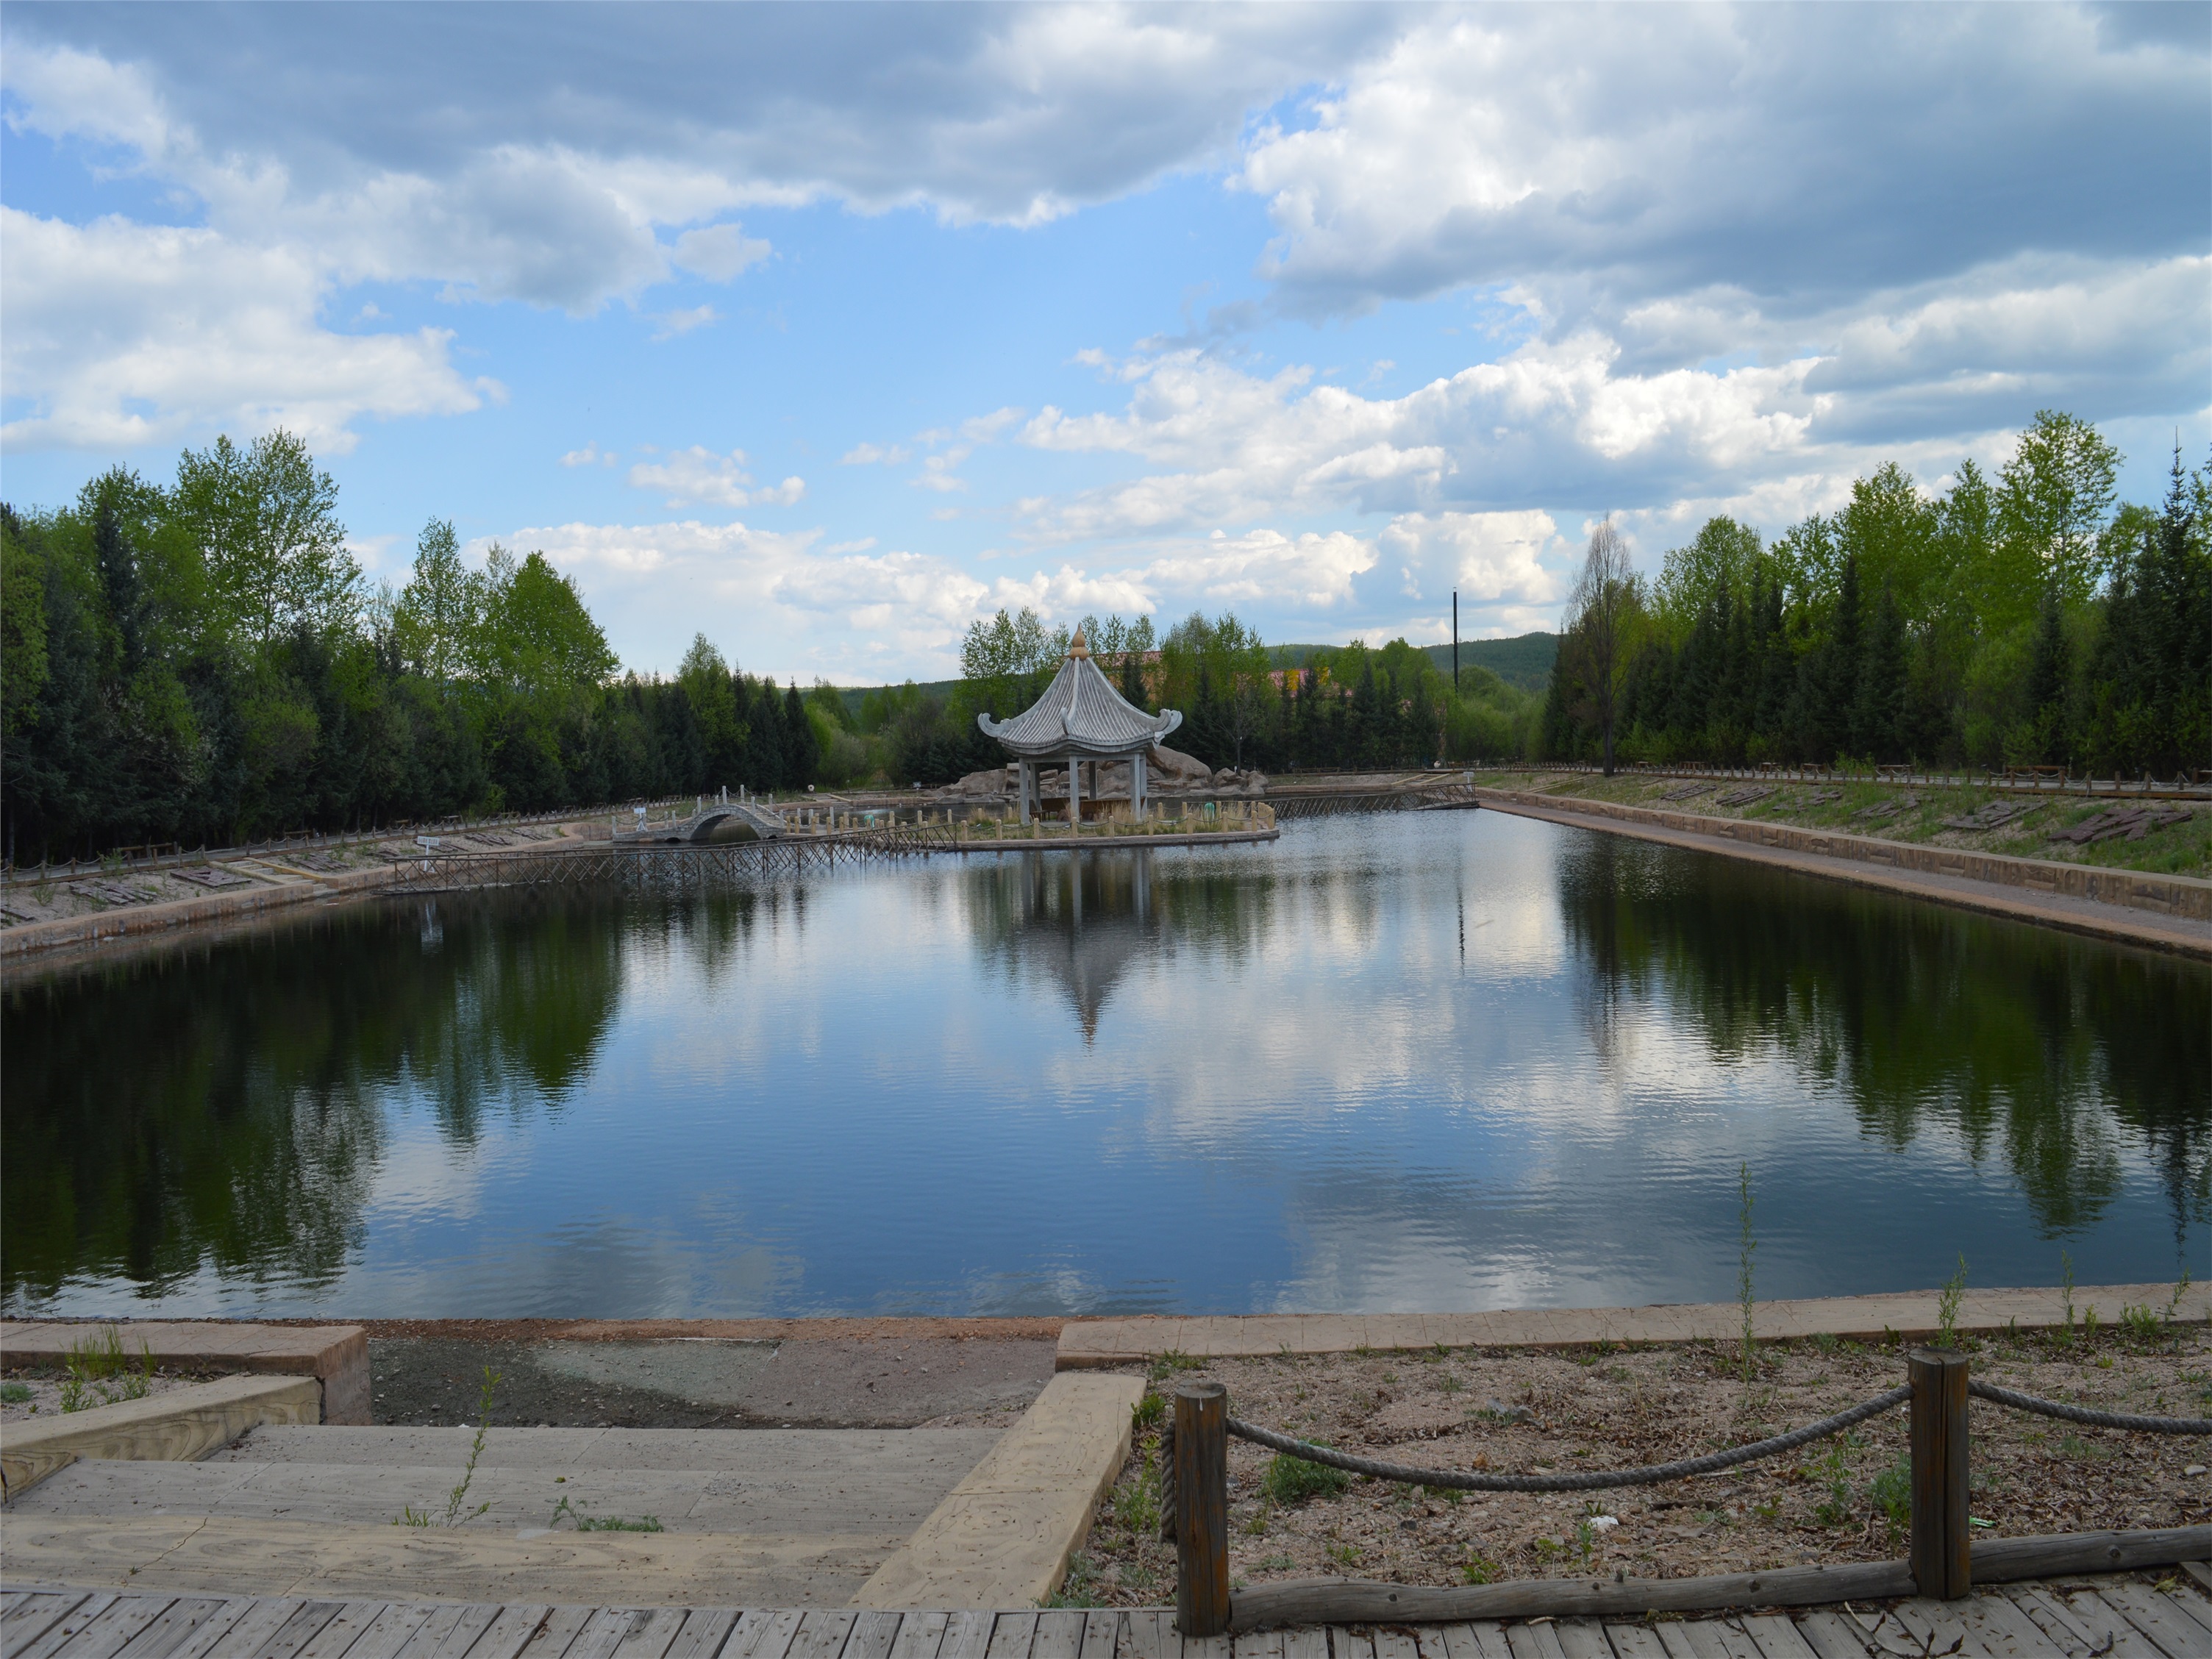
column 1516, row 1412
column 45, row 1392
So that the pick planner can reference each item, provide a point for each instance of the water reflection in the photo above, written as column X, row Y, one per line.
column 224, row 1106
column 1433, row 1062
column 2039, row 1044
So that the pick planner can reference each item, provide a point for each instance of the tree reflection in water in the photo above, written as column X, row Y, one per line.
column 2050, row 1046
column 220, row 1106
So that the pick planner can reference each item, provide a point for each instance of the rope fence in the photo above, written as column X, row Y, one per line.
column 1195, row 1472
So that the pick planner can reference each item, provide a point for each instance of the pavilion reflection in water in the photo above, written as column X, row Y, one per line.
column 1080, row 921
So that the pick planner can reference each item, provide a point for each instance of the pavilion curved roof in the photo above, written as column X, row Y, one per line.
column 1080, row 714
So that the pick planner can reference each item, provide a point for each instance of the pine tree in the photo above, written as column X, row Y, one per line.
column 1878, row 708
column 1838, row 672
column 2048, row 670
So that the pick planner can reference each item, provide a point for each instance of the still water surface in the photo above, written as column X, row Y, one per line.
column 1431, row 1061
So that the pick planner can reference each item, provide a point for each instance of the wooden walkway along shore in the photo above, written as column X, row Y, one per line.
column 2129, row 1616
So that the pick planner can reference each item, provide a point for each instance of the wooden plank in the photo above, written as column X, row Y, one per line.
column 1351, row 1644
column 555, row 1632
column 707, row 1630
column 2102, row 1620
column 874, row 1632
column 434, row 1632
column 1012, row 1635
column 1102, row 1634
column 337, row 1638
column 185, row 1622
column 395, row 1627
column 920, row 1634
column 1776, row 1637
column 34, row 1614
column 1833, row 1635
column 1059, row 1635
column 967, row 1635
column 2085, row 1628
column 822, row 1633
column 1151, row 1635
column 602, row 1632
column 1709, row 1638
column 65, row 1629
column 507, row 1636
column 1583, row 1638
column 124, row 1618
column 1534, row 1641
column 2199, row 1571
column 2175, row 1633
column 1393, row 1643
column 1490, row 1634
column 2003, row 1629
column 1639, row 1642
column 2185, row 1597
column 650, row 1632
column 1932, row 1623
column 458, row 1637
column 30, row 1612
column 258, row 1618
column 1674, row 1638
column 301, row 1628
column 1208, row 1647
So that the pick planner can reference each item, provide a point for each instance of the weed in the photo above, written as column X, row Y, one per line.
column 1585, row 1538
column 1450, row 1384
column 1344, row 1554
column 1277, row 1564
column 2139, row 1320
column 98, row 1366
column 1436, row 1354
column 1293, row 1480
column 1947, row 1307
column 1549, row 1549
column 599, row 1523
column 1147, row 1411
column 1479, row 1569
column 1833, row 1471
column 1082, row 1587
column 1390, row 1377
column 1743, row 1283
column 2073, row 1445
column 1169, row 1363
column 2180, row 1290
column 1827, row 1341
column 411, row 1516
column 15, row 1393
column 1137, row 1505
column 1441, row 1494
column 1769, row 1512
column 2089, row 1324
column 2066, row 1290
column 1891, row 1492
column 1257, row 1526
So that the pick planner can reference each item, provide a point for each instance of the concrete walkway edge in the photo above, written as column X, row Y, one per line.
column 1910, row 1316
column 2165, row 913
column 179, row 1426
column 1003, row 1536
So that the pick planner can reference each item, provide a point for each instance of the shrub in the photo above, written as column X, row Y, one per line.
column 1293, row 1479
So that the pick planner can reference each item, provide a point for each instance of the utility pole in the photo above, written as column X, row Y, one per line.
column 1455, row 641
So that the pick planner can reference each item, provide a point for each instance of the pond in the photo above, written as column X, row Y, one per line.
column 1434, row 1061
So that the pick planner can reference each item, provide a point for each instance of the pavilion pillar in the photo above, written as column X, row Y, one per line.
column 1137, row 787
column 1022, row 776
column 1075, row 794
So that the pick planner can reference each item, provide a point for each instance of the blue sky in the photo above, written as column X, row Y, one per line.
column 824, row 330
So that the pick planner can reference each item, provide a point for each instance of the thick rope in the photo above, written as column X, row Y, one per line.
column 1591, row 1480
column 2028, row 1402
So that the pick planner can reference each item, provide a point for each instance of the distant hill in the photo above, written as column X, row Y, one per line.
column 1524, row 664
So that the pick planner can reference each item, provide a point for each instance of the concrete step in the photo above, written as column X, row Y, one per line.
column 814, row 1484
column 768, row 1452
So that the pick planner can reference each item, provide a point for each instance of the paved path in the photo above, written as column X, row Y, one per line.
column 2130, row 1617
column 2183, row 935
column 1089, row 1342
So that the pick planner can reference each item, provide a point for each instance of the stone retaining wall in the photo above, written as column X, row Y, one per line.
column 2183, row 898
column 131, row 920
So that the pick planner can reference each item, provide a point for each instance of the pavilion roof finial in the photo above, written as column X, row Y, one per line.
column 1077, row 646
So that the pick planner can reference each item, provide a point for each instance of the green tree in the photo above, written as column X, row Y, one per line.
column 266, row 520
column 441, row 607
column 1606, row 607
column 535, row 635
column 2053, row 498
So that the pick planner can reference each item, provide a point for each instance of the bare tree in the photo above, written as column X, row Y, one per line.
column 1601, row 608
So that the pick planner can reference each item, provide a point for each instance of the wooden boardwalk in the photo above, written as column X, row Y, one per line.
column 2127, row 1616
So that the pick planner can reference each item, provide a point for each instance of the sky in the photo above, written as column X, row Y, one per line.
column 826, row 329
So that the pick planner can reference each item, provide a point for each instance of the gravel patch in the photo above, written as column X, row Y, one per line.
column 1521, row 1410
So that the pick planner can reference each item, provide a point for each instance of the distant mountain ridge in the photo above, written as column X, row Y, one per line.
column 1524, row 664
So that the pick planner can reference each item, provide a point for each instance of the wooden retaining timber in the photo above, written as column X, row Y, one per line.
column 1998, row 1560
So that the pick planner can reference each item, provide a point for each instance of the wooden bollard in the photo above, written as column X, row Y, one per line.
column 1941, row 1557
column 1201, row 1503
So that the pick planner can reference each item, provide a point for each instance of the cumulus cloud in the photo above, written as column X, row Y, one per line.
column 673, row 323
column 590, row 455
column 119, row 335
column 718, row 253
column 699, row 474
column 1487, row 557
column 872, row 455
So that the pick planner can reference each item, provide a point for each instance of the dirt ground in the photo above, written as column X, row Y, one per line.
column 30, row 1394
column 1519, row 1412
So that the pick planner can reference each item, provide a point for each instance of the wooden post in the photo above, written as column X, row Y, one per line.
column 1940, row 1558
column 1201, row 1493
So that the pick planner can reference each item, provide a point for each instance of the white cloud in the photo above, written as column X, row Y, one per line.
column 119, row 335
column 590, row 455
column 1488, row 557
column 718, row 253
column 870, row 455
column 698, row 474
column 673, row 323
